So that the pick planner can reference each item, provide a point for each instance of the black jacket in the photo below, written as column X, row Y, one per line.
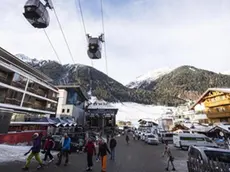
column 103, row 149
column 113, row 143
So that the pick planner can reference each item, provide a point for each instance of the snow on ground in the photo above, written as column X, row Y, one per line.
column 9, row 153
column 13, row 153
column 133, row 112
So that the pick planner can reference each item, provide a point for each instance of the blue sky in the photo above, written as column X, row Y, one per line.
column 141, row 35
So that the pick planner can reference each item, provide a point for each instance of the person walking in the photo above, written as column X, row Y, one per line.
column 102, row 153
column 112, row 145
column 49, row 145
column 35, row 150
column 127, row 139
column 65, row 150
column 170, row 158
column 91, row 150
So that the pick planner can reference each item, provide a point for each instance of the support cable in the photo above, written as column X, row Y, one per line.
column 103, row 28
column 63, row 34
column 52, row 46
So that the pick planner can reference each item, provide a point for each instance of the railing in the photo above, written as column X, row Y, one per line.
column 197, row 165
column 41, row 92
column 217, row 103
column 19, row 84
column 13, row 101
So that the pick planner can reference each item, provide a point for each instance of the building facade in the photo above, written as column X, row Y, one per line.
column 72, row 102
column 215, row 103
column 24, row 91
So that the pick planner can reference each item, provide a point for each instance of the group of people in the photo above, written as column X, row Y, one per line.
column 102, row 152
column 65, row 143
column 47, row 147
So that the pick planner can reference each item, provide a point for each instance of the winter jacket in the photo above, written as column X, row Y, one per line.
column 103, row 149
column 113, row 143
column 66, row 144
column 36, row 145
column 90, row 148
column 49, row 144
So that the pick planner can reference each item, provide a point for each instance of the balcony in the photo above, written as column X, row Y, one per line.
column 32, row 90
column 41, row 92
column 13, row 101
column 27, row 104
column 18, row 85
column 217, row 103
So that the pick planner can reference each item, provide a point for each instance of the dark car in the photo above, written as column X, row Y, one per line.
column 208, row 159
column 73, row 145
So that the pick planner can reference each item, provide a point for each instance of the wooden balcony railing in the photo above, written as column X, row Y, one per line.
column 217, row 103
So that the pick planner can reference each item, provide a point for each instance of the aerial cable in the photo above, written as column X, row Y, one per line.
column 63, row 34
column 103, row 28
column 52, row 46
column 83, row 22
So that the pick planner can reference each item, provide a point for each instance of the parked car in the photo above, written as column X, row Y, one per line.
column 167, row 136
column 151, row 139
column 207, row 159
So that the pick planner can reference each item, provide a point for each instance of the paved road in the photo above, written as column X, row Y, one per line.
column 136, row 157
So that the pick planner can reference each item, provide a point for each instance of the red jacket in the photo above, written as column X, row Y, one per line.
column 90, row 148
column 49, row 144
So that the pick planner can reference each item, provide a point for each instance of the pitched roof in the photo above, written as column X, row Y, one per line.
column 224, row 90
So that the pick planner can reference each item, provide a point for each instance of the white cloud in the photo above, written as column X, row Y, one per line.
column 141, row 35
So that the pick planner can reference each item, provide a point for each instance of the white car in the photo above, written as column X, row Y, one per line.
column 151, row 139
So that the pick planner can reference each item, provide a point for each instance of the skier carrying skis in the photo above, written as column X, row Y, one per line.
column 34, row 152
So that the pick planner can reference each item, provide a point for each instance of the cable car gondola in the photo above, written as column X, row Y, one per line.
column 94, row 46
column 36, row 13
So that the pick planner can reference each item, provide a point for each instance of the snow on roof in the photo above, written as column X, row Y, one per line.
column 197, row 127
column 30, row 123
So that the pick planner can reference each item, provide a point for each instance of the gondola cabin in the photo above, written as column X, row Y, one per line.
column 94, row 46
column 36, row 13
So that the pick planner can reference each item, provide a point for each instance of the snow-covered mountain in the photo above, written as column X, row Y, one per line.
column 226, row 72
column 33, row 62
column 149, row 77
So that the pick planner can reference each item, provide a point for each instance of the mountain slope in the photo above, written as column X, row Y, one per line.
column 149, row 77
column 90, row 78
column 167, row 87
column 186, row 83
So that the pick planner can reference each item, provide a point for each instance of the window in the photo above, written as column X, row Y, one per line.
column 168, row 135
column 67, row 110
column 63, row 110
column 54, row 94
column 192, row 138
column 48, row 105
column 218, row 156
column 72, row 97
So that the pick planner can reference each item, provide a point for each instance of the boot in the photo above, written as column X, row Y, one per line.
column 25, row 168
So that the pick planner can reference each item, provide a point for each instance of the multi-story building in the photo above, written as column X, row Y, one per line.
column 71, row 103
column 24, row 91
column 215, row 103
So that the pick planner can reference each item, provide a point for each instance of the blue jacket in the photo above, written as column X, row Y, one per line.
column 66, row 145
column 36, row 145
